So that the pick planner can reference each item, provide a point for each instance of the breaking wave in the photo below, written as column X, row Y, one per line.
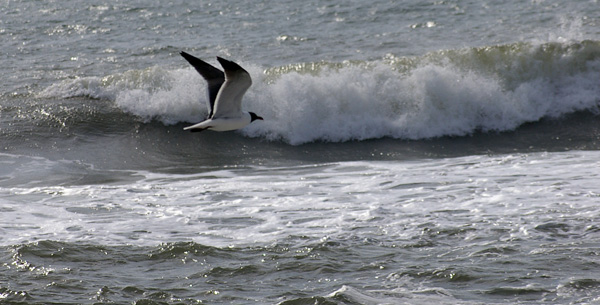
column 444, row 93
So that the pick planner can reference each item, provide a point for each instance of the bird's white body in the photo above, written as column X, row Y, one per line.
column 225, row 92
column 223, row 123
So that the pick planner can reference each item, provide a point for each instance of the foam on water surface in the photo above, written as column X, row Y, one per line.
column 391, row 201
column 446, row 93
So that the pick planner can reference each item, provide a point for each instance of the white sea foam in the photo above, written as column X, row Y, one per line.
column 451, row 93
column 386, row 200
column 432, row 100
column 175, row 100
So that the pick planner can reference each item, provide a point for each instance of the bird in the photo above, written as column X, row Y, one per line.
column 225, row 92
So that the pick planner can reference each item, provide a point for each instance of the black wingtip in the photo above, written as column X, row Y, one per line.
column 189, row 57
column 229, row 65
column 210, row 73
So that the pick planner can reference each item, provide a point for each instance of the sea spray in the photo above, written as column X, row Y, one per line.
column 443, row 93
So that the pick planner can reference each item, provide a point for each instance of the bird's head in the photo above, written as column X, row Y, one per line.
column 254, row 117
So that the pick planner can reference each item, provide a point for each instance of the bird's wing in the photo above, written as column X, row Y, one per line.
column 213, row 76
column 229, row 99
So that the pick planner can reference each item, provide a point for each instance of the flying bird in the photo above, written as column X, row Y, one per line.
column 225, row 92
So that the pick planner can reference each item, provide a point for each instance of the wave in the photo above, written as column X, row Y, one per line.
column 444, row 93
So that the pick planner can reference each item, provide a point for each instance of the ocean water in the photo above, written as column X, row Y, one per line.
column 412, row 152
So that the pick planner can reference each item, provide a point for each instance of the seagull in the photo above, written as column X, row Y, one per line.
column 225, row 92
